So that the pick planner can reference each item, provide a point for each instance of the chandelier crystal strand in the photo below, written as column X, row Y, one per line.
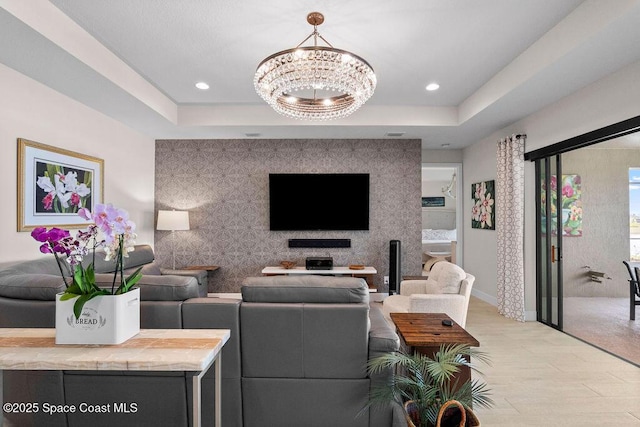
column 315, row 82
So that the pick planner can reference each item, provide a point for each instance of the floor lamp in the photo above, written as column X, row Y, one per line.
column 174, row 221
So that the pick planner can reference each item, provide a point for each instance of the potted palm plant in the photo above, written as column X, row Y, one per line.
column 427, row 388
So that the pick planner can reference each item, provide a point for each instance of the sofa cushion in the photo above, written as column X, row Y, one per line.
column 143, row 254
column 40, row 279
column 159, row 288
column 33, row 286
column 44, row 265
column 445, row 278
column 147, row 269
column 305, row 289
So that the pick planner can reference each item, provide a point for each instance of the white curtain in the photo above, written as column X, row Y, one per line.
column 510, row 227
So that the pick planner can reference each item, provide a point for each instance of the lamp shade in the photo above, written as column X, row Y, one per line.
column 173, row 220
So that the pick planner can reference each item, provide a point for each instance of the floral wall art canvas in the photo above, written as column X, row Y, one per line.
column 483, row 211
column 570, row 204
column 53, row 184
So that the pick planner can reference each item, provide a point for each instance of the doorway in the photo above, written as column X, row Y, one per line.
column 442, row 210
column 582, row 285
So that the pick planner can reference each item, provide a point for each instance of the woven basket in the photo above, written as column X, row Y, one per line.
column 450, row 409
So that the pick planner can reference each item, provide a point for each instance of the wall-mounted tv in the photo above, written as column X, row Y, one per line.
column 318, row 201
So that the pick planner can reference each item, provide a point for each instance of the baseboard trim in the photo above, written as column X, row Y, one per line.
column 529, row 316
column 485, row 297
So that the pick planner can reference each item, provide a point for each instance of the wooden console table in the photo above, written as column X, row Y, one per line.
column 192, row 351
column 424, row 333
column 367, row 273
column 201, row 267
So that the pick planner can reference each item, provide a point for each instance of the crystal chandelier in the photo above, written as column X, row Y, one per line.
column 315, row 82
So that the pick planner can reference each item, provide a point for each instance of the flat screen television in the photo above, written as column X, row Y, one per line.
column 318, row 201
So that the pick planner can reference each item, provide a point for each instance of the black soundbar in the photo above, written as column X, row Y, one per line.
column 319, row 243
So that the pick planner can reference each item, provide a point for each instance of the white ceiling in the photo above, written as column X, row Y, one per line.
column 496, row 61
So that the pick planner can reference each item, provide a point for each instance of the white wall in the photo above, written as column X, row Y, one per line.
column 479, row 164
column 32, row 111
column 441, row 156
column 609, row 100
column 434, row 189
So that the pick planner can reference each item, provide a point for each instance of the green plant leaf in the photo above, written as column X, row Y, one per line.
column 480, row 393
column 90, row 275
column 68, row 295
column 133, row 279
column 79, row 304
column 73, row 290
column 78, row 279
column 427, row 381
column 128, row 283
column 82, row 299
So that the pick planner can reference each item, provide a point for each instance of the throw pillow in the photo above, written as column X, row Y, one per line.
column 448, row 277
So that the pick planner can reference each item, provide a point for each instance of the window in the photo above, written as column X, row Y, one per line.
column 634, row 214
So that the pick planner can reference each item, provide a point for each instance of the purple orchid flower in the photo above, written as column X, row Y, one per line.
column 53, row 240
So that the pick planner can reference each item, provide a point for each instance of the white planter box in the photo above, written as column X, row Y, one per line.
column 107, row 319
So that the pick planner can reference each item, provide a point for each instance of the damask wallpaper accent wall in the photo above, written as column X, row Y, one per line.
column 224, row 184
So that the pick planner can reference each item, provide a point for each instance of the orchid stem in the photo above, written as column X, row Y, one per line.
column 60, row 268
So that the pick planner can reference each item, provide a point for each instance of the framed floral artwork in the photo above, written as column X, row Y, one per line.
column 483, row 212
column 430, row 202
column 54, row 183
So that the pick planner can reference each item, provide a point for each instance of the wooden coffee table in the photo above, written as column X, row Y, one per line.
column 424, row 333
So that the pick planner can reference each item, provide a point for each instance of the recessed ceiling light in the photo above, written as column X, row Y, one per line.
column 432, row 86
column 202, row 86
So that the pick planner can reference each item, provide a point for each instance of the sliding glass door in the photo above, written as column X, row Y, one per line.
column 548, row 165
column 549, row 242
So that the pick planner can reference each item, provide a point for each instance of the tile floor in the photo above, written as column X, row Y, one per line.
column 604, row 322
column 543, row 377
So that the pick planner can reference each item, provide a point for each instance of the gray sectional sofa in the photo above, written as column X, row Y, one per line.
column 169, row 299
column 297, row 353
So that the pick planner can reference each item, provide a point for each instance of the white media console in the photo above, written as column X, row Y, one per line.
column 366, row 273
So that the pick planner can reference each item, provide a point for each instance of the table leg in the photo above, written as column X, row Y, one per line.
column 1, row 400
column 197, row 400
column 217, row 366
column 197, row 394
column 632, row 299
